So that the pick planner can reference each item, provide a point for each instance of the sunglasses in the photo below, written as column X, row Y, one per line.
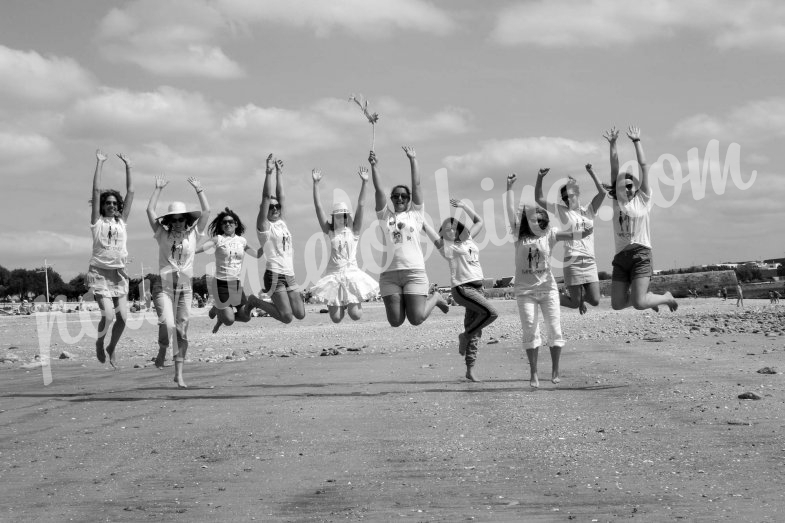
column 629, row 186
column 276, row 206
column 110, row 202
column 228, row 222
column 399, row 196
column 177, row 220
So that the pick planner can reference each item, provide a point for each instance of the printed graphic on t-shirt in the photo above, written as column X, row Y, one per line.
column 176, row 252
column 398, row 230
column 626, row 225
column 537, row 261
column 110, row 237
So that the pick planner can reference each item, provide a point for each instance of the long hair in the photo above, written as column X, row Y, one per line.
column 525, row 231
column 166, row 221
column 347, row 219
column 106, row 194
column 216, row 227
column 572, row 183
column 461, row 232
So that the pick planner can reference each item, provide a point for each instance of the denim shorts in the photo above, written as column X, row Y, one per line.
column 404, row 281
column 632, row 264
column 276, row 282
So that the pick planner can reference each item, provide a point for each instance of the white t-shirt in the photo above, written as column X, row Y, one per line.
column 343, row 249
column 575, row 222
column 229, row 254
column 176, row 251
column 109, row 239
column 464, row 259
column 631, row 221
column 401, row 238
column 533, row 264
column 277, row 245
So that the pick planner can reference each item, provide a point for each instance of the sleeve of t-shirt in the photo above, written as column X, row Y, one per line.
column 552, row 237
column 263, row 237
column 383, row 213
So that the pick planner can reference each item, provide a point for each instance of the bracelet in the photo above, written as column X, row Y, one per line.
column 200, row 191
column 636, row 140
column 269, row 171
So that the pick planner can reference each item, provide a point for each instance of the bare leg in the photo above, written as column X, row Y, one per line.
column 555, row 356
column 121, row 315
column 280, row 308
column 591, row 293
column 336, row 312
column 532, row 354
column 642, row 299
column 107, row 319
column 179, row 361
column 355, row 311
column 395, row 307
column 419, row 307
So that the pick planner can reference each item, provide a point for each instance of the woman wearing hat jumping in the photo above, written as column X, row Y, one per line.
column 176, row 232
column 276, row 240
column 106, row 277
column 344, row 286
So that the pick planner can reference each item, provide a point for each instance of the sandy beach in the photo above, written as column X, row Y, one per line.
column 647, row 423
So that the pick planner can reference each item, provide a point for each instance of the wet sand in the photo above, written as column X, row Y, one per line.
column 646, row 423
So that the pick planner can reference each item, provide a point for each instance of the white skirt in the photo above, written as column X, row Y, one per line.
column 348, row 285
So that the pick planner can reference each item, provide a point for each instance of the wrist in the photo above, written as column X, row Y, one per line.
column 636, row 140
column 199, row 191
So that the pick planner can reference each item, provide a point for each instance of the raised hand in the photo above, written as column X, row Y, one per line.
column 511, row 179
column 99, row 155
column 543, row 172
column 195, row 183
column 410, row 152
column 270, row 163
column 126, row 160
column 372, row 159
column 588, row 168
column 363, row 173
column 611, row 134
column 316, row 174
column 457, row 203
column 161, row 181
column 279, row 166
column 633, row 133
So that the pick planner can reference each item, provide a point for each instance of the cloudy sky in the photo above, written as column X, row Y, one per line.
column 210, row 88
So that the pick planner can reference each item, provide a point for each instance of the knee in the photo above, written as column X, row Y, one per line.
column 299, row 314
column 640, row 304
column 355, row 315
column 592, row 301
column 617, row 306
column 493, row 316
column 395, row 322
column 416, row 320
column 336, row 318
column 228, row 321
column 287, row 317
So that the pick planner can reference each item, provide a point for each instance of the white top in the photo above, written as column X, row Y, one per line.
column 533, row 264
column 109, row 238
column 343, row 249
column 401, row 238
column 277, row 245
column 464, row 259
column 575, row 222
column 176, row 251
column 631, row 221
column 229, row 254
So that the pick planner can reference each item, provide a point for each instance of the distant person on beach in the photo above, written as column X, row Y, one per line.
column 724, row 294
column 177, row 232
column 106, row 276
column 455, row 242
column 535, row 286
column 229, row 299
column 344, row 287
column 276, row 242
column 632, row 264
column 403, row 282
column 739, row 296
column 580, row 267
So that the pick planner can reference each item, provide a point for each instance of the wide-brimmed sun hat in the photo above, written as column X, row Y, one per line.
column 341, row 208
column 180, row 208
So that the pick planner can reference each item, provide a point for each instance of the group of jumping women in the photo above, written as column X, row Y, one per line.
column 403, row 284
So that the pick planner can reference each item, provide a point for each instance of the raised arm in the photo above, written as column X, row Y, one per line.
column 600, row 196
column 206, row 246
column 512, row 220
column 129, row 187
column 279, row 195
column 359, row 214
column 416, row 189
column 95, row 213
column 538, row 197
column 477, row 223
column 316, row 174
column 572, row 235
column 201, row 225
column 152, row 216
column 433, row 235
column 378, row 190
column 611, row 135
column 262, row 223
column 634, row 134
column 256, row 253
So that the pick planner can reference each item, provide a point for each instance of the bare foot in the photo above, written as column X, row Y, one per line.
column 217, row 326
column 534, row 382
column 212, row 312
column 470, row 375
column 442, row 305
column 555, row 379
column 112, row 361
column 99, row 351
column 672, row 303
column 582, row 308
column 180, row 383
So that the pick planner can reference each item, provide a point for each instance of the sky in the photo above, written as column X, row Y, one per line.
column 479, row 89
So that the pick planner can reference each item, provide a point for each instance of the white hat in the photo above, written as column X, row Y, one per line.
column 180, row 208
column 341, row 208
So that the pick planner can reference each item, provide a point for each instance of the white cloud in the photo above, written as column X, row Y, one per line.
column 173, row 38
column 364, row 18
column 40, row 244
column 524, row 154
column 167, row 114
column 755, row 121
column 25, row 153
column 28, row 76
column 603, row 23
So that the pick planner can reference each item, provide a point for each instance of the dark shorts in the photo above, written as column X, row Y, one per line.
column 275, row 282
column 632, row 264
column 227, row 293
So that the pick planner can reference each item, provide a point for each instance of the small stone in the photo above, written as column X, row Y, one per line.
column 748, row 396
column 766, row 370
column 66, row 355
